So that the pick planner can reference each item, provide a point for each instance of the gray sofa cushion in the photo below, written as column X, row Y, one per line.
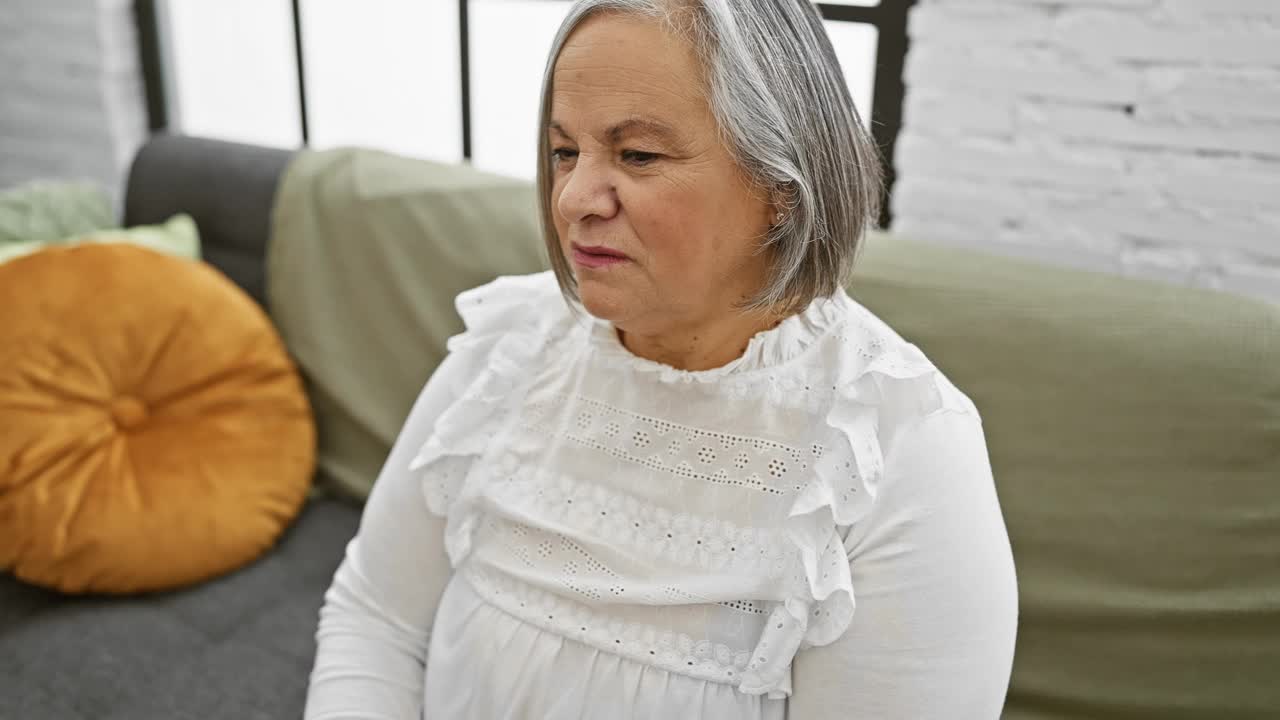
column 228, row 188
column 239, row 647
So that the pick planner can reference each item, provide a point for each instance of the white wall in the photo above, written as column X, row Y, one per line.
column 1135, row 136
column 71, row 95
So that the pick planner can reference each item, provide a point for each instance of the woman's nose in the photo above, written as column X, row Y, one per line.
column 588, row 192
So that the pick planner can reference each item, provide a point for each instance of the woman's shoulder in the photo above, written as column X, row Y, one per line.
column 871, row 363
column 528, row 305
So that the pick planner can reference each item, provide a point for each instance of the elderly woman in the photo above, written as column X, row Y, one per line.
column 684, row 475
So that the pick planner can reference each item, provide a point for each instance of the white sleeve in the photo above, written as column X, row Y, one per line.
column 933, row 629
column 377, row 616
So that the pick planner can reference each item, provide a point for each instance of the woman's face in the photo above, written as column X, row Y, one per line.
column 657, row 220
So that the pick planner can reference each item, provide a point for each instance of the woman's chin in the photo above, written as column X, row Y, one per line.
column 603, row 301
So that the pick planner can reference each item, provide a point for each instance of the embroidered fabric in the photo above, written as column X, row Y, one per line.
column 678, row 537
column 693, row 521
column 689, row 452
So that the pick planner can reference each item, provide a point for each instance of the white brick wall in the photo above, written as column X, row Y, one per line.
column 71, row 97
column 1133, row 136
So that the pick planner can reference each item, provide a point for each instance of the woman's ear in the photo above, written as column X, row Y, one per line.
column 779, row 207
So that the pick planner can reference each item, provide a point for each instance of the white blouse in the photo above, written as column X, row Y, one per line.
column 566, row 530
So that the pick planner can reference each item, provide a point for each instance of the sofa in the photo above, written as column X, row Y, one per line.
column 1134, row 430
column 239, row 646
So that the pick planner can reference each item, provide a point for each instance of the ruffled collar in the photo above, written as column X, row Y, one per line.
column 765, row 351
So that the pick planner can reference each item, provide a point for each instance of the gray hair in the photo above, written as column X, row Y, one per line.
column 776, row 89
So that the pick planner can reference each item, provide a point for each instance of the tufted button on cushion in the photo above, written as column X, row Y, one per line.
column 128, row 412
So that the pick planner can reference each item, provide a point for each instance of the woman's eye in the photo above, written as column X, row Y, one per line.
column 637, row 157
column 560, row 155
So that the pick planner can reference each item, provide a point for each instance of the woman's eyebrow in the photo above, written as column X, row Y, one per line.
column 626, row 128
column 641, row 126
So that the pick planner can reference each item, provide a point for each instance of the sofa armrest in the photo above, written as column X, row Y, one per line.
column 228, row 188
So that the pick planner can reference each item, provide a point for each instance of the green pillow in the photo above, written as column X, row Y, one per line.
column 176, row 236
column 47, row 211
column 367, row 253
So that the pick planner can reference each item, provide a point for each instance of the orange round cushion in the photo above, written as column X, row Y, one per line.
column 153, row 430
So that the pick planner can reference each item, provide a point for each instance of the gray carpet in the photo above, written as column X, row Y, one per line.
column 236, row 648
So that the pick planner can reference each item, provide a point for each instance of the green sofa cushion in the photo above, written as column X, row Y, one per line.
column 1134, row 431
column 176, row 236
column 368, row 251
column 48, row 211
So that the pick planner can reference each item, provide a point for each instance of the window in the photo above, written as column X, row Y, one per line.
column 510, row 40
column 248, row 95
column 384, row 74
column 855, row 45
column 448, row 80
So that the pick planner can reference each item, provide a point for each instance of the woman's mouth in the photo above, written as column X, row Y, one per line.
column 596, row 256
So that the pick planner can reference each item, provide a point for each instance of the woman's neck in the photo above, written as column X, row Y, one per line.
column 705, row 346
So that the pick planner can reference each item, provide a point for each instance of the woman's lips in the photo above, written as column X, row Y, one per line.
column 597, row 256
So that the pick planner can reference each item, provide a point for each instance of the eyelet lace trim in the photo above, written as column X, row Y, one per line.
column 671, row 651
column 682, row 450
column 687, row 540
